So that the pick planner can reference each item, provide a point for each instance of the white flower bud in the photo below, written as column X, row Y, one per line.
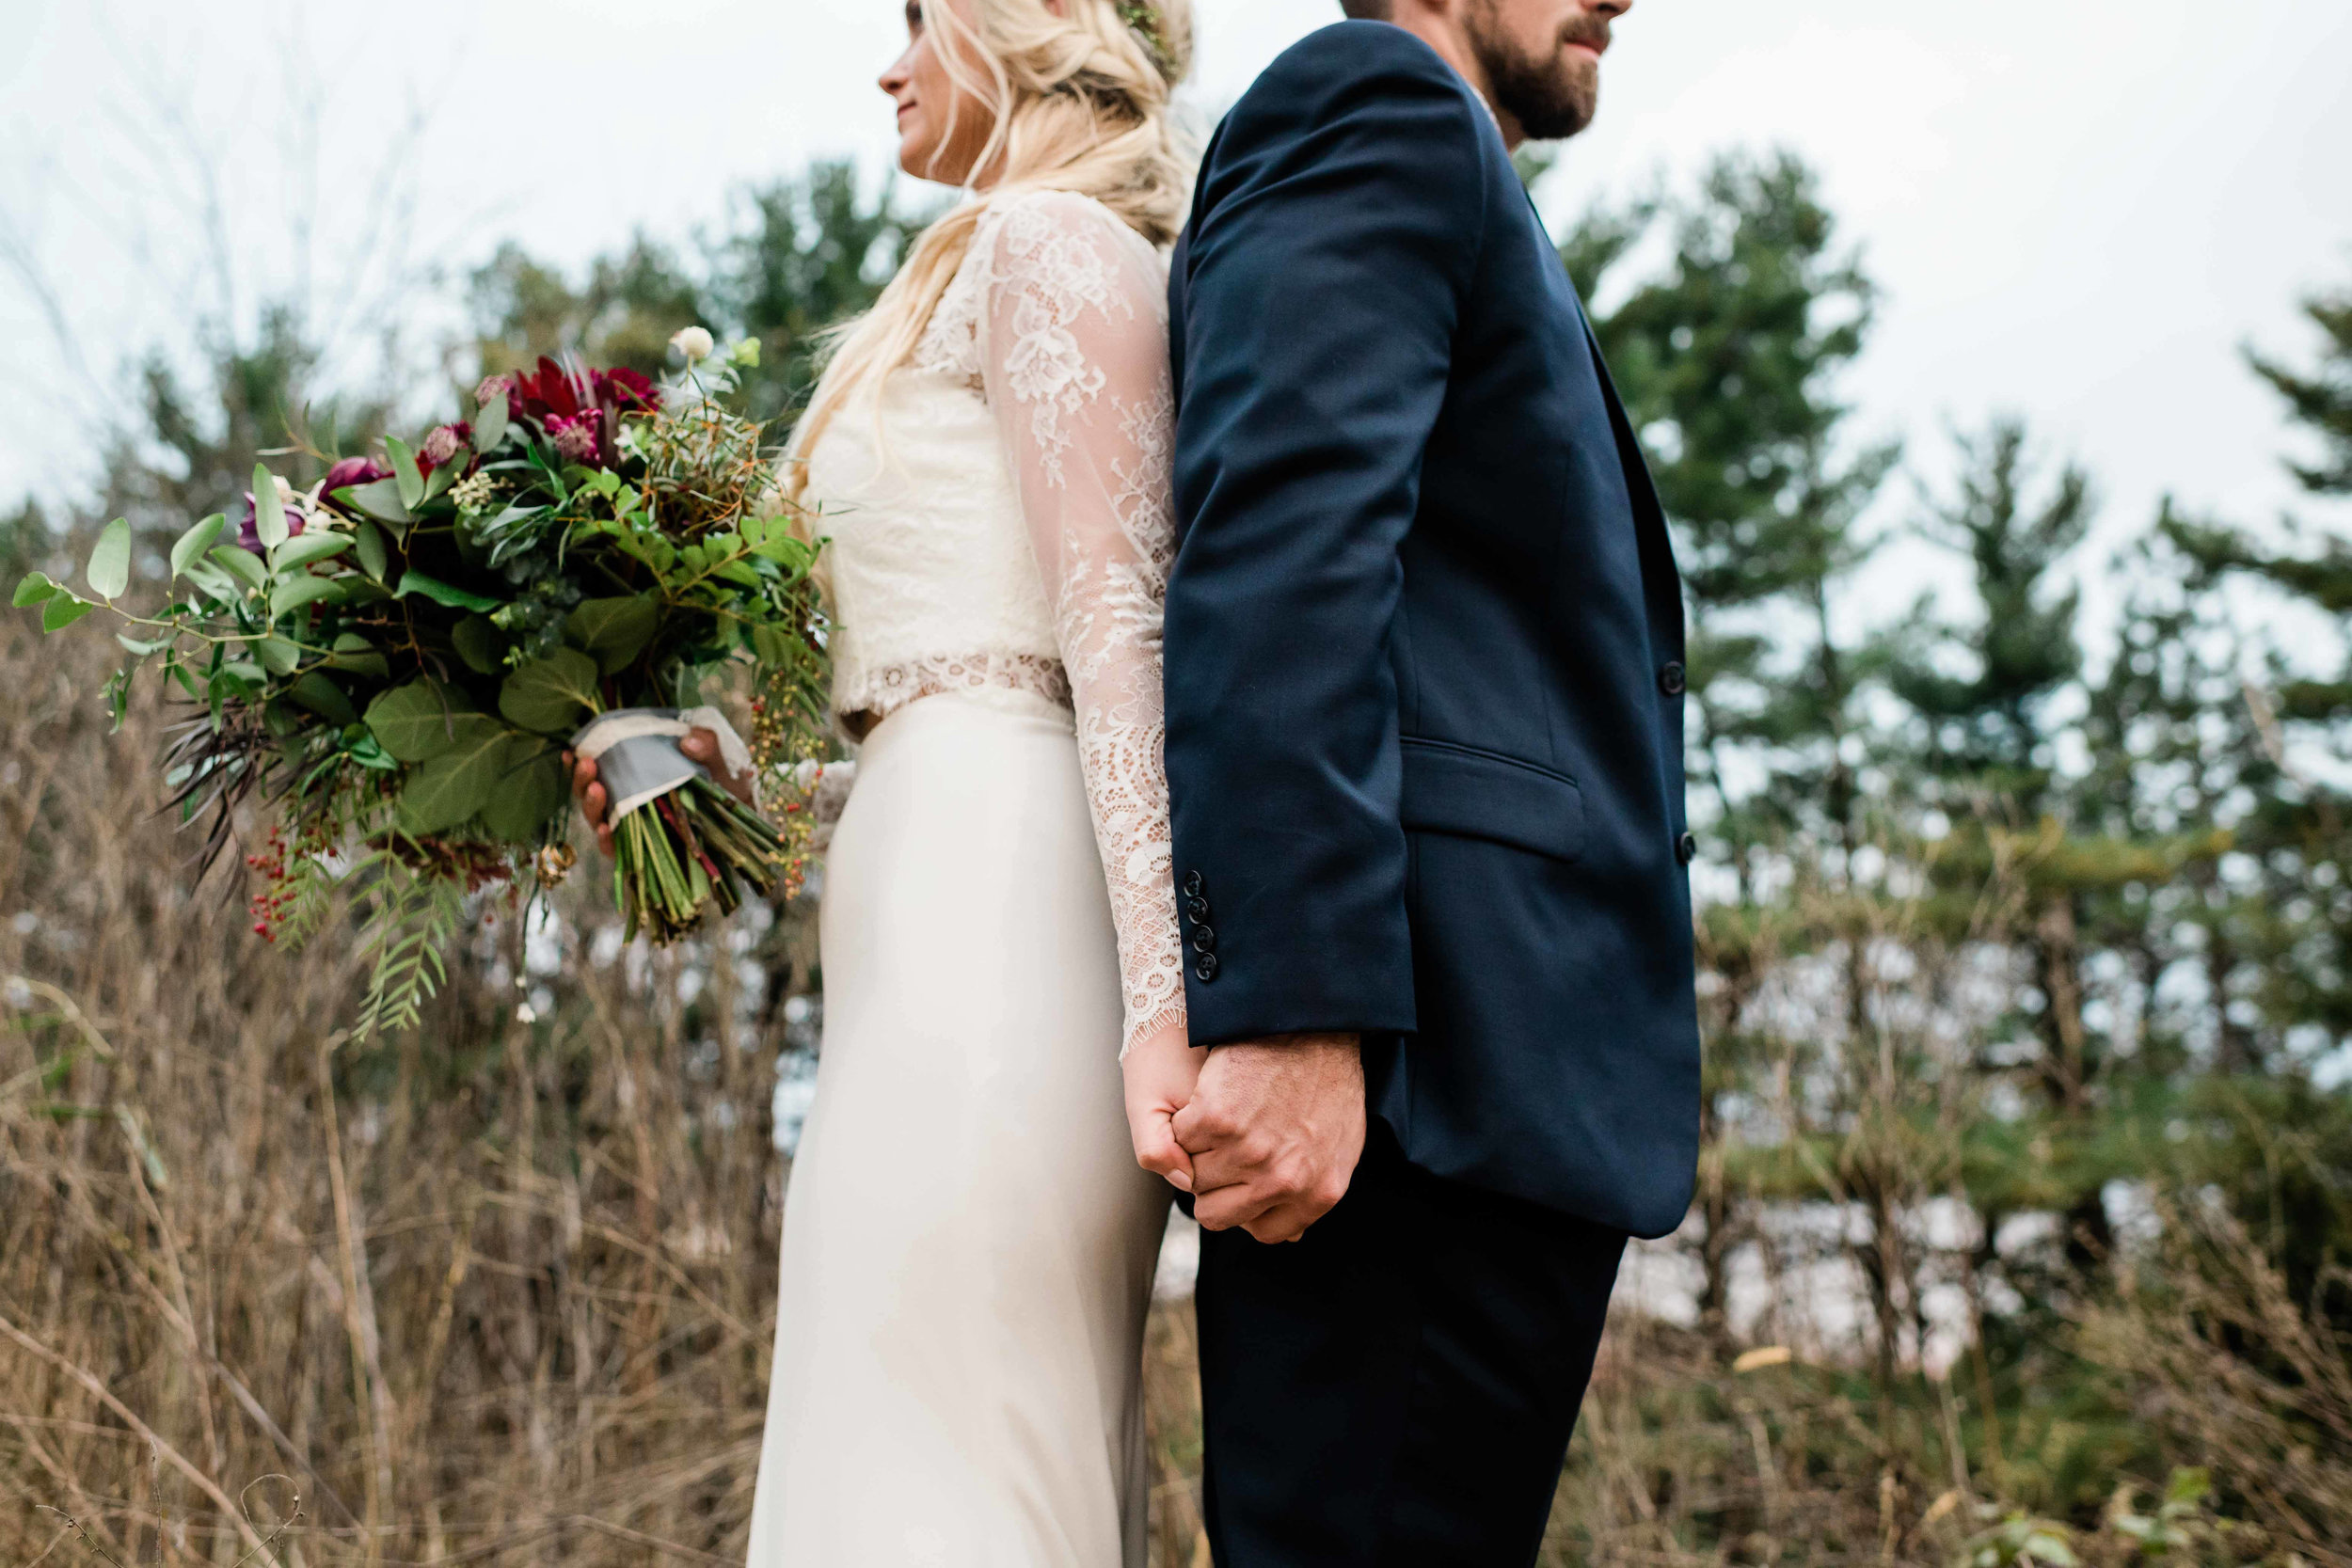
column 694, row 343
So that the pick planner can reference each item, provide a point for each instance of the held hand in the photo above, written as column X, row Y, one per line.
column 700, row 745
column 1274, row 1128
column 1160, row 1072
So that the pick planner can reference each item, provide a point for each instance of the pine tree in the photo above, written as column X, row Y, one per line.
column 1981, row 690
column 1727, row 358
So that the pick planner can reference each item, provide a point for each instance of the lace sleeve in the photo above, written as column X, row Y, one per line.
column 1073, row 360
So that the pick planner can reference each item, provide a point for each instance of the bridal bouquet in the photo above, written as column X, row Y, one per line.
column 396, row 661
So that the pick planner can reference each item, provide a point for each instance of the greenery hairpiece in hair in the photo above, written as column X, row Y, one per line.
column 1143, row 18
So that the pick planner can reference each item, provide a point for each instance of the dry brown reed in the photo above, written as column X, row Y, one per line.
column 500, row 1291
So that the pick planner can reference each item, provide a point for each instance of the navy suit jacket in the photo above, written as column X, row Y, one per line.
column 1424, row 646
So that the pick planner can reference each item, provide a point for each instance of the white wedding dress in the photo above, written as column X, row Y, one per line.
column 968, row 1244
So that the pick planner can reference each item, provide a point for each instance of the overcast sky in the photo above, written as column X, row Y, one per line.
column 2079, row 211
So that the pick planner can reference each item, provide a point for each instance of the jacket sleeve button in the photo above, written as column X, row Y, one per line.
column 1687, row 848
column 1206, row 968
column 1193, row 884
column 1673, row 680
column 1204, row 938
column 1198, row 909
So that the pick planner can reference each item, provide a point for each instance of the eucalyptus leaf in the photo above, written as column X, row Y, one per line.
column 613, row 631
column 269, row 512
column 322, row 697
column 530, row 792
column 242, row 565
column 277, row 655
column 552, row 695
column 489, row 425
column 62, row 611
column 212, row 581
column 423, row 719
column 37, row 588
column 316, row 545
column 455, row 786
column 359, row 655
column 144, row 646
column 481, row 644
column 367, row 541
column 292, row 593
column 109, row 569
column 441, row 593
column 193, row 543
column 381, row 500
column 406, row 474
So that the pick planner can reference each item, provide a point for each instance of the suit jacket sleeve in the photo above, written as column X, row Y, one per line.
column 1335, row 233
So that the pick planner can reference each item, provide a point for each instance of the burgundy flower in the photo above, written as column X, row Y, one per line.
column 250, row 526
column 445, row 443
column 578, row 437
column 552, row 389
column 578, row 408
column 627, row 391
column 353, row 471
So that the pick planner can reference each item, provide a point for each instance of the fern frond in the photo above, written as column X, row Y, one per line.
column 410, row 925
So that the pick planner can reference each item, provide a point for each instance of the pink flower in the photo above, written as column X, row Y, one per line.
column 492, row 387
column 250, row 526
column 578, row 437
column 351, row 471
column 444, row 443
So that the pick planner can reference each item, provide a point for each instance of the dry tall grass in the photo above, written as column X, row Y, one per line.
column 501, row 1292
column 497, row 1291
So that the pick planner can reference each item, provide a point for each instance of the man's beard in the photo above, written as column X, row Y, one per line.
column 1551, row 95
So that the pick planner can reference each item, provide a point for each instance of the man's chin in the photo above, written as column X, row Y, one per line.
column 1551, row 105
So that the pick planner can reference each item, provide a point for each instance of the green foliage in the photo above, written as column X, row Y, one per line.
column 24, row 541
column 1728, row 357
column 409, row 924
column 1983, row 690
column 2320, row 400
column 552, row 695
column 1990, row 917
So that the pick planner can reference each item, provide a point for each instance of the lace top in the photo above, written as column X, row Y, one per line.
column 1013, row 529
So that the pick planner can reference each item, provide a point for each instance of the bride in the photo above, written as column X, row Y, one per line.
column 968, row 1237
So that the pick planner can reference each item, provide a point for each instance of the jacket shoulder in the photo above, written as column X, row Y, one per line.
column 1345, row 51
column 1355, row 80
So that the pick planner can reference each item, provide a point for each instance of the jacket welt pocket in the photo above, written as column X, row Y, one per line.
column 1473, row 793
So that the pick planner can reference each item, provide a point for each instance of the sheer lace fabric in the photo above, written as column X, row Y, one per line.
column 1013, row 531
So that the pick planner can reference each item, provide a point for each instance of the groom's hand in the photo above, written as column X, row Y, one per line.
column 1274, row 1128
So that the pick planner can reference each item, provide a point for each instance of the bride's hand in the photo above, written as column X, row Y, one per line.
column 1160, row 1073
column 699, row 746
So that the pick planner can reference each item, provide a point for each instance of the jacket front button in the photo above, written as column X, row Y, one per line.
column 1206, row 968
column 1673, row 680
column 1193, row 884
column 1687, row 848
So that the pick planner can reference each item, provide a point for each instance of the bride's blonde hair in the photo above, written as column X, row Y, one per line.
column 1081, row 102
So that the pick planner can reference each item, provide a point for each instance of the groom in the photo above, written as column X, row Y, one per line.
column 1424, row 751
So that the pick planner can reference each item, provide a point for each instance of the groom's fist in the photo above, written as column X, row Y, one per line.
column 1274, row 1128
